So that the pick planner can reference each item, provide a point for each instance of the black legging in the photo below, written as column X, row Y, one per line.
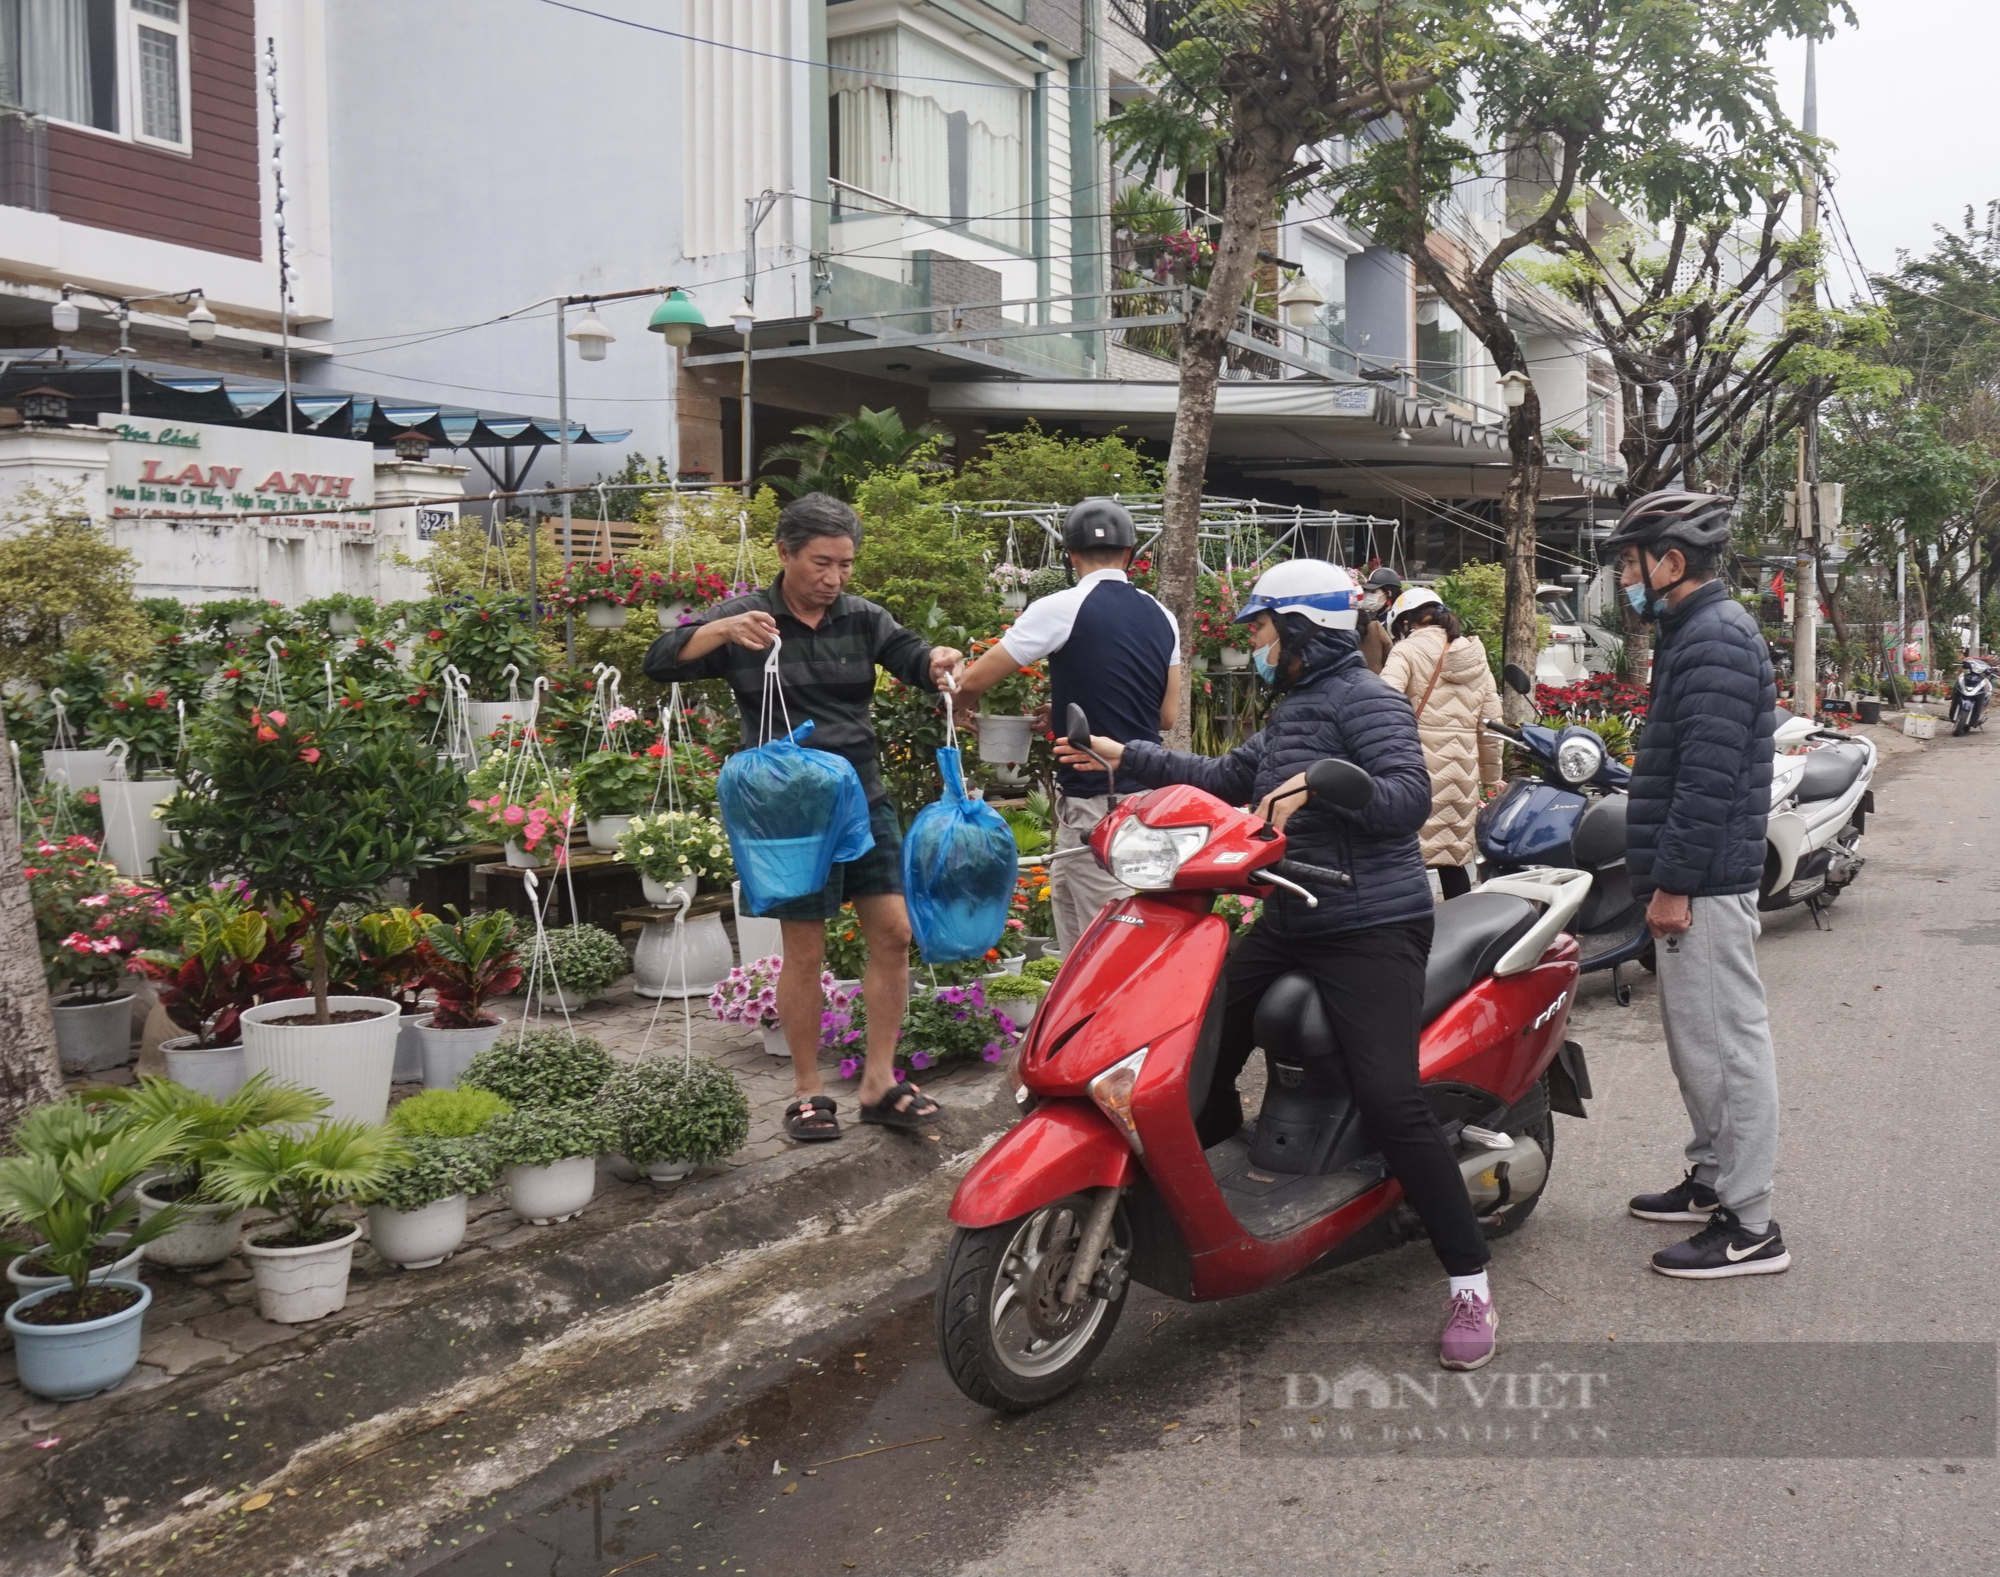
column 1455, row 881
column 1372, row 983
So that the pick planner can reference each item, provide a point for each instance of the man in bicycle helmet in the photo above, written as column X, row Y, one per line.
column 1695, row 825
column 1372, row 633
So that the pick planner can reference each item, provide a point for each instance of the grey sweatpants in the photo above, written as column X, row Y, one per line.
column 1078, row 885
column 1719, row 1042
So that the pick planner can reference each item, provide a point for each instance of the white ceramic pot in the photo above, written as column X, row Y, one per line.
column 485, row 716
column 350, row 1064
column 76, row 770
column 216, row 1071
column 447, row 1051
column 1014, row 599
column 681, row 958
column 1003, row 741
column 133, row 838
column 1011, row 966
column 295, row 1285
column 604, row 615
column 418, row 1239
column 755, row 938
column 123, row 1268
column 605, row 831
column 341, row 622
column 1198, row 663
column 409, row 1067
column 668, row 1171
column 774, row 1041
column 1234, row 659
column 94, row 1036
column 670, row 614
column 1007, row 776
column 1039, row 946
column 1020, row 1010
column 241, row 627
column 544, row 1194
column 522, row 860
column 207, row 1234
column 67, row 1362
column 662, row 893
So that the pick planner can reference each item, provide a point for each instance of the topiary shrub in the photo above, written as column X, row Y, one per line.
column 544, row 1135
column 448, row 1114
column 545, row 1067
column 584, row 961
column 434, row 1169
column 667, row 1113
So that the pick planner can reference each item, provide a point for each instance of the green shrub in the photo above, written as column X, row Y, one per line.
column 1023, row 987
column 665, row 1112
column 1033, row 467
column 1042, row 969
column 433, row 1169
column 545, row 1067
column 448, row 1114
column 544, row 1135
column 584, row 960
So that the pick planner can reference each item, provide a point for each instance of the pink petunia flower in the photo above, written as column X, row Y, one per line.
column 513, row 815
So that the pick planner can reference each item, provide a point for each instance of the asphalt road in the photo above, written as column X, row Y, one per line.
column 1889, row 1083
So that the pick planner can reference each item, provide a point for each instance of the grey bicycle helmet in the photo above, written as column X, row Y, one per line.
column 1097, row 524
column 1384, row 579
column 1671, row 518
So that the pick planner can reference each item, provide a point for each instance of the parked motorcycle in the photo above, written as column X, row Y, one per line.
column 1970, row 692
column 1104, row 1180
column 1821, row 799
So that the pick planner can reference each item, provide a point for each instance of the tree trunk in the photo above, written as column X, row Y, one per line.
column 29, row 1073
column 319, row 972
column 1638, row 641
column 1518, row 508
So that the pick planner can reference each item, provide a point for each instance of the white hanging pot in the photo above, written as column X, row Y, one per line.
column 92, row 1037
column 1003, row 741
column 1014, row 598
column 1009, row 776
column 684, row 960
column 605, row 831
column 1199, row 663
column 133, row 837
column 207, row 1234
column 604, row 615
column 295, row 1285
column 522, row 859
column 342, row 622
column 1234, row 659
column 350, row 1064
column 662, row 893
column 756, row 936
column 447, row 1052
column 215, row 1071
column 670, row 614
column 241, row 627
column 774, row 1040
column 485, row 716
column 77, row 770
column 542, row 1195
column 418, row 1239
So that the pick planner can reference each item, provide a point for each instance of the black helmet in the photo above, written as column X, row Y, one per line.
column 1672, row 518
column 1099, row 523
column 1384, row 579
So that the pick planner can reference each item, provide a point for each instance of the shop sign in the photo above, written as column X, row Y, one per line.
column 207, row 468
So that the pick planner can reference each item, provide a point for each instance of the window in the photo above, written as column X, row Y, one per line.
column 1441, row 344
column 117, row 66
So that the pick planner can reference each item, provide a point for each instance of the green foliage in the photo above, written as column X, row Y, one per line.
column 675, row 845
column 304, row 1175
column 839, row 455
column 544, row 1067
column 583, row 961
column 65, row 589
column 465, row 557
column 664, row 1112
column 458, row 1113
column 485, row 634
column 613, row 783
column 846, row 948
column 1477, row 593
column 1031, row 466
column 433, row 1168
column 377, row 954
column 207, row 1127
column 913, row 556
column 1042, row 969
column 467, row 959
column 1023, row 987
column 544, row 1135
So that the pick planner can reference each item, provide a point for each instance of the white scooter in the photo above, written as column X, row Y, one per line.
column 1970, row 692
column 1820, row 802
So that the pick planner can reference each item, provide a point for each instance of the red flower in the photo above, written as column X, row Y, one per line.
column 310, row 754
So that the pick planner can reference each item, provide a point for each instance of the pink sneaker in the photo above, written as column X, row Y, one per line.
column 1471, row 1332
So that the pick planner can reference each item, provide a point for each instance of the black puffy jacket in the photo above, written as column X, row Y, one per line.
column 1336, row 708
column 1701, row 786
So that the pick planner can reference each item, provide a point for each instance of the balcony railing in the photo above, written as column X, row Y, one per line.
column 24, row 160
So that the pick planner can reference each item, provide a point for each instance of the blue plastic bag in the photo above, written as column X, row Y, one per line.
column 959, row 867
column 790, row 813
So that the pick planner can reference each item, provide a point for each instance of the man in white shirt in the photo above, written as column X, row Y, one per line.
column 1115, row 652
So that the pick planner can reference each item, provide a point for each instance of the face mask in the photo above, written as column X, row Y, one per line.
column 1635, row 594
column 1261, row 660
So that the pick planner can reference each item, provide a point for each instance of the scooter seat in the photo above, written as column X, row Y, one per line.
column 1472, row 933
column 1831, row 772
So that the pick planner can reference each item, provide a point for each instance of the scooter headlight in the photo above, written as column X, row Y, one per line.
column 1112, row 1090
column 1579, row 757
column 1147, row 857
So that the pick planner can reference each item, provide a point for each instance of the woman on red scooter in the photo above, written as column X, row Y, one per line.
column 1366, row 945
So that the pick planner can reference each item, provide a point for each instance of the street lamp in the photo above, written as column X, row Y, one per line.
column 1514, row 388
column 64, row 318
column 591, row 336
column 200, row 321
column 1299, row 302
column 677, row 319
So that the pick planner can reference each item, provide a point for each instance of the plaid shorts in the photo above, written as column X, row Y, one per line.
column 878, row 871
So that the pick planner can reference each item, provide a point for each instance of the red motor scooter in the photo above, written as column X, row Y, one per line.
column 1104, row 1179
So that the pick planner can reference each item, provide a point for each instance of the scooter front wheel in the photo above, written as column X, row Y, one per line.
column 1008, row 1339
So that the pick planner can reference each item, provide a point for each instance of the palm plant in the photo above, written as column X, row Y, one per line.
column 837, row 456
column 208, row 1126
column 303, row 1177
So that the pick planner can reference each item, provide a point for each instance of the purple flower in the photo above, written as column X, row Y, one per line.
column 849, row 1067
column 990, row 1054
column 920, row 1059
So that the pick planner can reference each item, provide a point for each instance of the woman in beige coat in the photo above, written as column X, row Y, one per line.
column 1444, row 673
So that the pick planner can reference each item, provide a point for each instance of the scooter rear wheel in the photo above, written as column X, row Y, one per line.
column 1008, row 1340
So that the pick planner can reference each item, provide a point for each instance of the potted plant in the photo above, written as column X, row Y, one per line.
column 301, row 1261
column 380, row 954
column 466, row 959
column 601, row 590
column 207, row 1228
column 140, row 726
column 227, row 956
column 416, row 1214
column 548, row 1158
column 683, row 848
column 671, row 1117
column 954, row 1024
column 579, row 962
column 90, row 923
column 544, row 1067
column 678, row 594
column 532, row 819
column 488, row 637
column 748, row 995
column 1016, row 998
column 611, row 787
column 315, row 809
column 1006, row 719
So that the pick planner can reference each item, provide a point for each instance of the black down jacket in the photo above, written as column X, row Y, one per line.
column 1701, row 786
column 1337, row 708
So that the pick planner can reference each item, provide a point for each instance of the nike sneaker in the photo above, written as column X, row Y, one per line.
column 1471, row 1332
column 1724, row 1248
column 1687, row 1200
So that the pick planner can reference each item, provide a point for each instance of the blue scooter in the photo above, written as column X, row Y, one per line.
column 1570, row 813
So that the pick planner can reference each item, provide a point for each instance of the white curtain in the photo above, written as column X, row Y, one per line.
column 50, row 69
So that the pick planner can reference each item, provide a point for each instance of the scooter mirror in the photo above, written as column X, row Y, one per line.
column 1517, row 679
column 1079, row 728
column 1341, row 782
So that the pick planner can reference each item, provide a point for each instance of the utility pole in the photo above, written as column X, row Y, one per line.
column 1805, row 587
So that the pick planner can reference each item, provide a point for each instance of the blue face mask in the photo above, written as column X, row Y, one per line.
column 1635, row 594
column 1260, row 659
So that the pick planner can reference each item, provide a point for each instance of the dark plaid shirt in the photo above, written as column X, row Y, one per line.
column 828, row 672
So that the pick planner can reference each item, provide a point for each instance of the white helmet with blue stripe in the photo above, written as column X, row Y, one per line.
column 1322, row 592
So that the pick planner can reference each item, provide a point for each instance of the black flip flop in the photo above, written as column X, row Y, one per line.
column 885, row 1114
column 809, row 1119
